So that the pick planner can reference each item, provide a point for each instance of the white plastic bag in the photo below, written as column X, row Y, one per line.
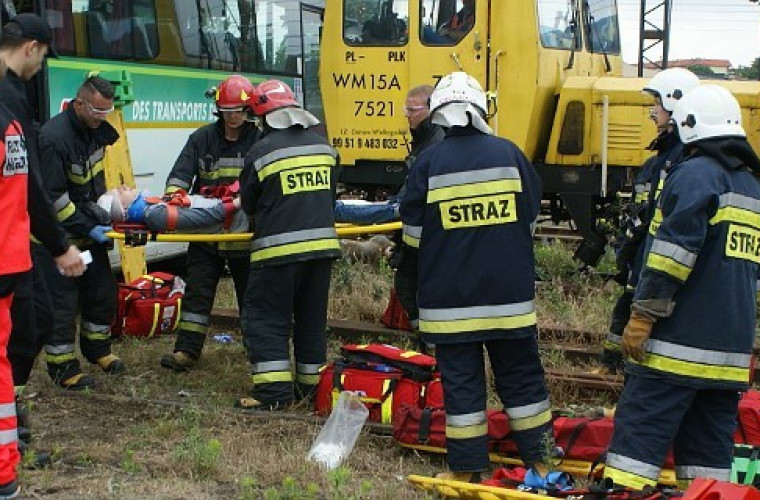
column 338, row 436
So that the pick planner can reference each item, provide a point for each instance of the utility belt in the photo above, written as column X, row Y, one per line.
column 386, row 378
column 149, row 306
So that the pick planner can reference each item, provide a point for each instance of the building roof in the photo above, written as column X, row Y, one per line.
column 685, row 63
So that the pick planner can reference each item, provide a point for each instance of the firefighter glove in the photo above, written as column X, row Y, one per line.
column 635, row 335
column 98, row 233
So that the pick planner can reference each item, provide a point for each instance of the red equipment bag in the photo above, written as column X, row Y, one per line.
column 748, row 421
column 417, row 426
column 383, row 389
column 395, row 316
column 149, row 306
column 712, row 489
column 386, row 377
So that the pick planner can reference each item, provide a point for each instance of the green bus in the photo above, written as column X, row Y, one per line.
column 174, row 50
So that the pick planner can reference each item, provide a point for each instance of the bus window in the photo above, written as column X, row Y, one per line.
column 558, row 25
column 119, row 29
column 58, row 16
column 602, row 29
column 446, row 22
column 375, row 22
column 242, row 35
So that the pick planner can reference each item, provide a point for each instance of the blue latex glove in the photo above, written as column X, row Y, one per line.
column 556, row 479
column 98, row 233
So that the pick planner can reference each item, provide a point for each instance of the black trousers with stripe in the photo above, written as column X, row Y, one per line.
column 654, row 413
column 204, row 269
column 32, row 317
column 519, row 381
column 93, row 296
column 280, row 299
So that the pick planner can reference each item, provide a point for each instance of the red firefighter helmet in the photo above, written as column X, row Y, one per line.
column 234, row 94
column 271, row 95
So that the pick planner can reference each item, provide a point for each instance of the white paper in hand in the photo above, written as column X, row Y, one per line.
column 86, row 257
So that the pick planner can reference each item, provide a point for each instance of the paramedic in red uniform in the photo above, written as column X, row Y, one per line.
column 212, row 157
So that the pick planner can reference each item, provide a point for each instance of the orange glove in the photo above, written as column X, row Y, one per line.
column 635, row 335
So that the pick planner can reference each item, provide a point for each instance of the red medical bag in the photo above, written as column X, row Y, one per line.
column 149, row 305
column 712, row 489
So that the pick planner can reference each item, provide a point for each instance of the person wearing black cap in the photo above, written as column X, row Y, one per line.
column 24, row 43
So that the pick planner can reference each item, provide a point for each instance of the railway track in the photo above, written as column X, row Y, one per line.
column 579, row 348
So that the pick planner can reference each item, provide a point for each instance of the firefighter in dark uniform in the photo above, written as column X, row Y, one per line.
column 692, row 325
column 213, row 156
column 288, row 186
column 667, row 87
column 469, row 207
column 72, row 148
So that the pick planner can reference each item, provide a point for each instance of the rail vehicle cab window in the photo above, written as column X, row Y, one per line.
column 602, row 28
column 446, row 22
column 558, row 24
column 376, row 22
column 59, row 17
column 115, row 29
column 242, row 35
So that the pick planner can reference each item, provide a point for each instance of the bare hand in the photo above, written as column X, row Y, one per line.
column 70, row 263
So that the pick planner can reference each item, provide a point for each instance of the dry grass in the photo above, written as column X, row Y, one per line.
column 196, row 446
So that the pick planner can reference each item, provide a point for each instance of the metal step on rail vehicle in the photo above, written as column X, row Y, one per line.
column 552, row 70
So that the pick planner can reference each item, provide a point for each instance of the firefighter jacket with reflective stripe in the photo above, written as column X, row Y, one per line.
column 469, row 206
column 651, row 181
column 208, row 159
column 14, row 230
column 72, row 164
column 288, row 186
column 703, row 260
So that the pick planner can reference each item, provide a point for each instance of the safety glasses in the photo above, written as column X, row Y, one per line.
column 97, row 111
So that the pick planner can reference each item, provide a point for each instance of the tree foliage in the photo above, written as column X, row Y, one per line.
column 751, row 72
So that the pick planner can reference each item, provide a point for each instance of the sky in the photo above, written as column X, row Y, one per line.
column 710, row 29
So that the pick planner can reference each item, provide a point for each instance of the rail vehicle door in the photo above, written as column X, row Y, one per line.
column 446, row 36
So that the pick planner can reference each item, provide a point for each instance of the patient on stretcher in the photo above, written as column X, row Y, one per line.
column 179, row 213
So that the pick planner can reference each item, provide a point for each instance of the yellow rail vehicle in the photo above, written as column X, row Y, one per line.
column 551, row 67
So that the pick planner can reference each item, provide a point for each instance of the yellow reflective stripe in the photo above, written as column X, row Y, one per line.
column 668, row 266
column 57, row 359
column 87, row 177
column 295, row 248
column 696, row 370
column 179, row 312
column 96, row 335
column 193, row 327
column 477, row 189
column 66, row 212
column 231, row 172
column 307, row 379
column 522, row 424
column 656, row 221
column 736, row 214
column 298, row 161
column 156, row 315
column 477, row 324
column 269, row 377
column 466, row 432
column 234, row 245
column 172, row 189
column 628, row 479
column 386, row 408
column 411, row 240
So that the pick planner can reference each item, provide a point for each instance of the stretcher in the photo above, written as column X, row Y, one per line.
column 572, row 467
column 140, row 235
column 462, row 490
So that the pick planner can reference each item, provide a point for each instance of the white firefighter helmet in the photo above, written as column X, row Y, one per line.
column 459, row 100
column 708, row 111
column 670, row 85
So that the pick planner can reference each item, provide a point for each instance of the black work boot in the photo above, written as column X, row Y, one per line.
column 33, row 460
column 9, row 490
column 22, row 421
column 79, row 382
column 111, row 364
column 178, row 361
